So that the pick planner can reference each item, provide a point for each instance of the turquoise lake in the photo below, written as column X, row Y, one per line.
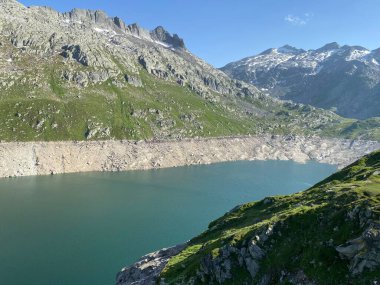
column 83, row 228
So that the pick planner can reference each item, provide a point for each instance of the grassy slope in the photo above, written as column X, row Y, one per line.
column 43, row 106
column 308, row 226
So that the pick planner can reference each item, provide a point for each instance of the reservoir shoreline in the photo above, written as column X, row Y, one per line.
column 46, row 158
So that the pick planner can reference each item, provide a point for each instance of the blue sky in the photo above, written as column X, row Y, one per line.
column 221, row 31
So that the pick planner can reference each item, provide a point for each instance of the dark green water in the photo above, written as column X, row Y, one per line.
column 82, row 228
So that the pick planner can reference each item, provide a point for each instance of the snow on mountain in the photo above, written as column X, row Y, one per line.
column 328, row 77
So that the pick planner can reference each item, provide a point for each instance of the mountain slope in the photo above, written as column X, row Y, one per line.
column 84, row 75
column 342, row 78
column 329, row 234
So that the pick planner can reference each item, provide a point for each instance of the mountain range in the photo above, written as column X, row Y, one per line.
column 345, row 79
column 82, row 75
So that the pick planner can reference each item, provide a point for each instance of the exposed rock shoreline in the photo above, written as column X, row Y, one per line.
column 45, row 158
column 146, row 270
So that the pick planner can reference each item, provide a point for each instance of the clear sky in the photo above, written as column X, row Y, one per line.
column 221, row 31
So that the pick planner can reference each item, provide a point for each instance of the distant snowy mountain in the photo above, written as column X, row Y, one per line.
column 342, row 78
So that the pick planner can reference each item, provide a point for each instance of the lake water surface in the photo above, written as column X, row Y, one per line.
column 83, row 228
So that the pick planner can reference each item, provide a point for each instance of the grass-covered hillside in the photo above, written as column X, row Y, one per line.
column 49, row 107
column 83, row 75
column 329, row 234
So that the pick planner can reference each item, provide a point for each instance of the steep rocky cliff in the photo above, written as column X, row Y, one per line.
column 329, row 234
column 84, row 75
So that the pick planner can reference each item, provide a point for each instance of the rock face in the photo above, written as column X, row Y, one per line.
column 363, row 252
column 147, row 269
column 161, row 35
column 45, row 158
column 345, row 79
column 306, row 238
column 219, row 269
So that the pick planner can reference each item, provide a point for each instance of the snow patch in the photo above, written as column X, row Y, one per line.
column 357, row 55
column 142, row 37
column 136, row 36
column 162, row 44
column 68, row 21
column 316, row 70
column 268, row 61
column 319, row 69
column 153, row 41
column 374, row 61
column 100, row 30
column 104, row 31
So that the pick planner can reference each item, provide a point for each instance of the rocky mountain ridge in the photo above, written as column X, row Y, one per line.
column 345, row 78
column 83, row 75
column 73, row 34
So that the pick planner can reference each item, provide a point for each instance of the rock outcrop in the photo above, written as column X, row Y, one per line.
column 147, row 269
column 364, row 251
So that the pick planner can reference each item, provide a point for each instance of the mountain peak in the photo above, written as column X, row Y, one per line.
column 268, row 51
column 286, row 49
column 348, row 73
column 161, row 35
column 290, row 50
column 360, row 48
column 119, row 23
column 329, row 47
column 135, row 29
column 94, row 16
column 100, row 18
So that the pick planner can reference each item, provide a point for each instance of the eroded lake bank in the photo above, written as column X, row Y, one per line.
column 44, row 158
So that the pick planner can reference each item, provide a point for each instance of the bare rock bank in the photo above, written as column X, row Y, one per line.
column 44, row 158
column 146, row 270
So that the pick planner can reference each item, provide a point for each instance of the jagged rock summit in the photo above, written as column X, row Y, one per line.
column 345, row 79
column 45, row 54
column 102, row 20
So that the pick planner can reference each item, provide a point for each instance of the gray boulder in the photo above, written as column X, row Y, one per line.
column 364, row 251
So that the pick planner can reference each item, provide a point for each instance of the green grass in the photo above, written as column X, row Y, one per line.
column 112, row 107
column 56, row 85
column 108, row 105
column 307, row 228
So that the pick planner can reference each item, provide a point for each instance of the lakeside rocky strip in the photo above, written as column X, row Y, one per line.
column 45, row 158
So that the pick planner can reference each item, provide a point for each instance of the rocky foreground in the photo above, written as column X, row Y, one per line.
column 45, row 158
column 329, row 234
